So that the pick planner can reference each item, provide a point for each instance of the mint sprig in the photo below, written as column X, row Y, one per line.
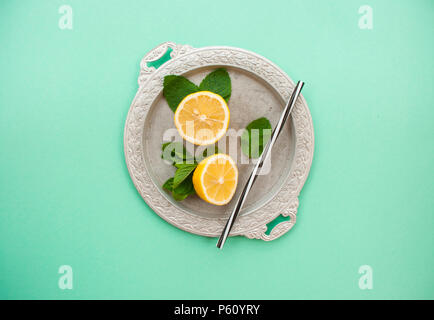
column 255, row 137
column 181, row 184
column 176, row 88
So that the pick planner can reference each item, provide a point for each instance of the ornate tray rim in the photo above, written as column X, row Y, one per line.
column 183, row 59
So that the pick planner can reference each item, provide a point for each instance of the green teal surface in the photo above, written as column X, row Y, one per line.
column 66, row 197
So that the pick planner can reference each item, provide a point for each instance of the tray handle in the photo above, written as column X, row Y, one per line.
column 279, row 229
column 149, row 63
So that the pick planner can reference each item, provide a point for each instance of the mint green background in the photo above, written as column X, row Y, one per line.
column 66, row 196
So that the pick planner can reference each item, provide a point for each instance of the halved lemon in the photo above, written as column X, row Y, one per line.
column 215, row 179
column 202, row 118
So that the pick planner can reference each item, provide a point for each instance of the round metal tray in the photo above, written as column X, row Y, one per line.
column 259, row 88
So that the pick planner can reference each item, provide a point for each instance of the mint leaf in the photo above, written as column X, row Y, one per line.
column 179, row 196
column 181, row 191
column 168, row 185
column 176, row 88
column 175, row 152
column 181, row 185
column 164, row 145
column 218, row 82
column 182, row 173
column 255, row 137
column 184, row 189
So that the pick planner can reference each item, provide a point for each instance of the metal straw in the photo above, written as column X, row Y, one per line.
column 267, row 150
